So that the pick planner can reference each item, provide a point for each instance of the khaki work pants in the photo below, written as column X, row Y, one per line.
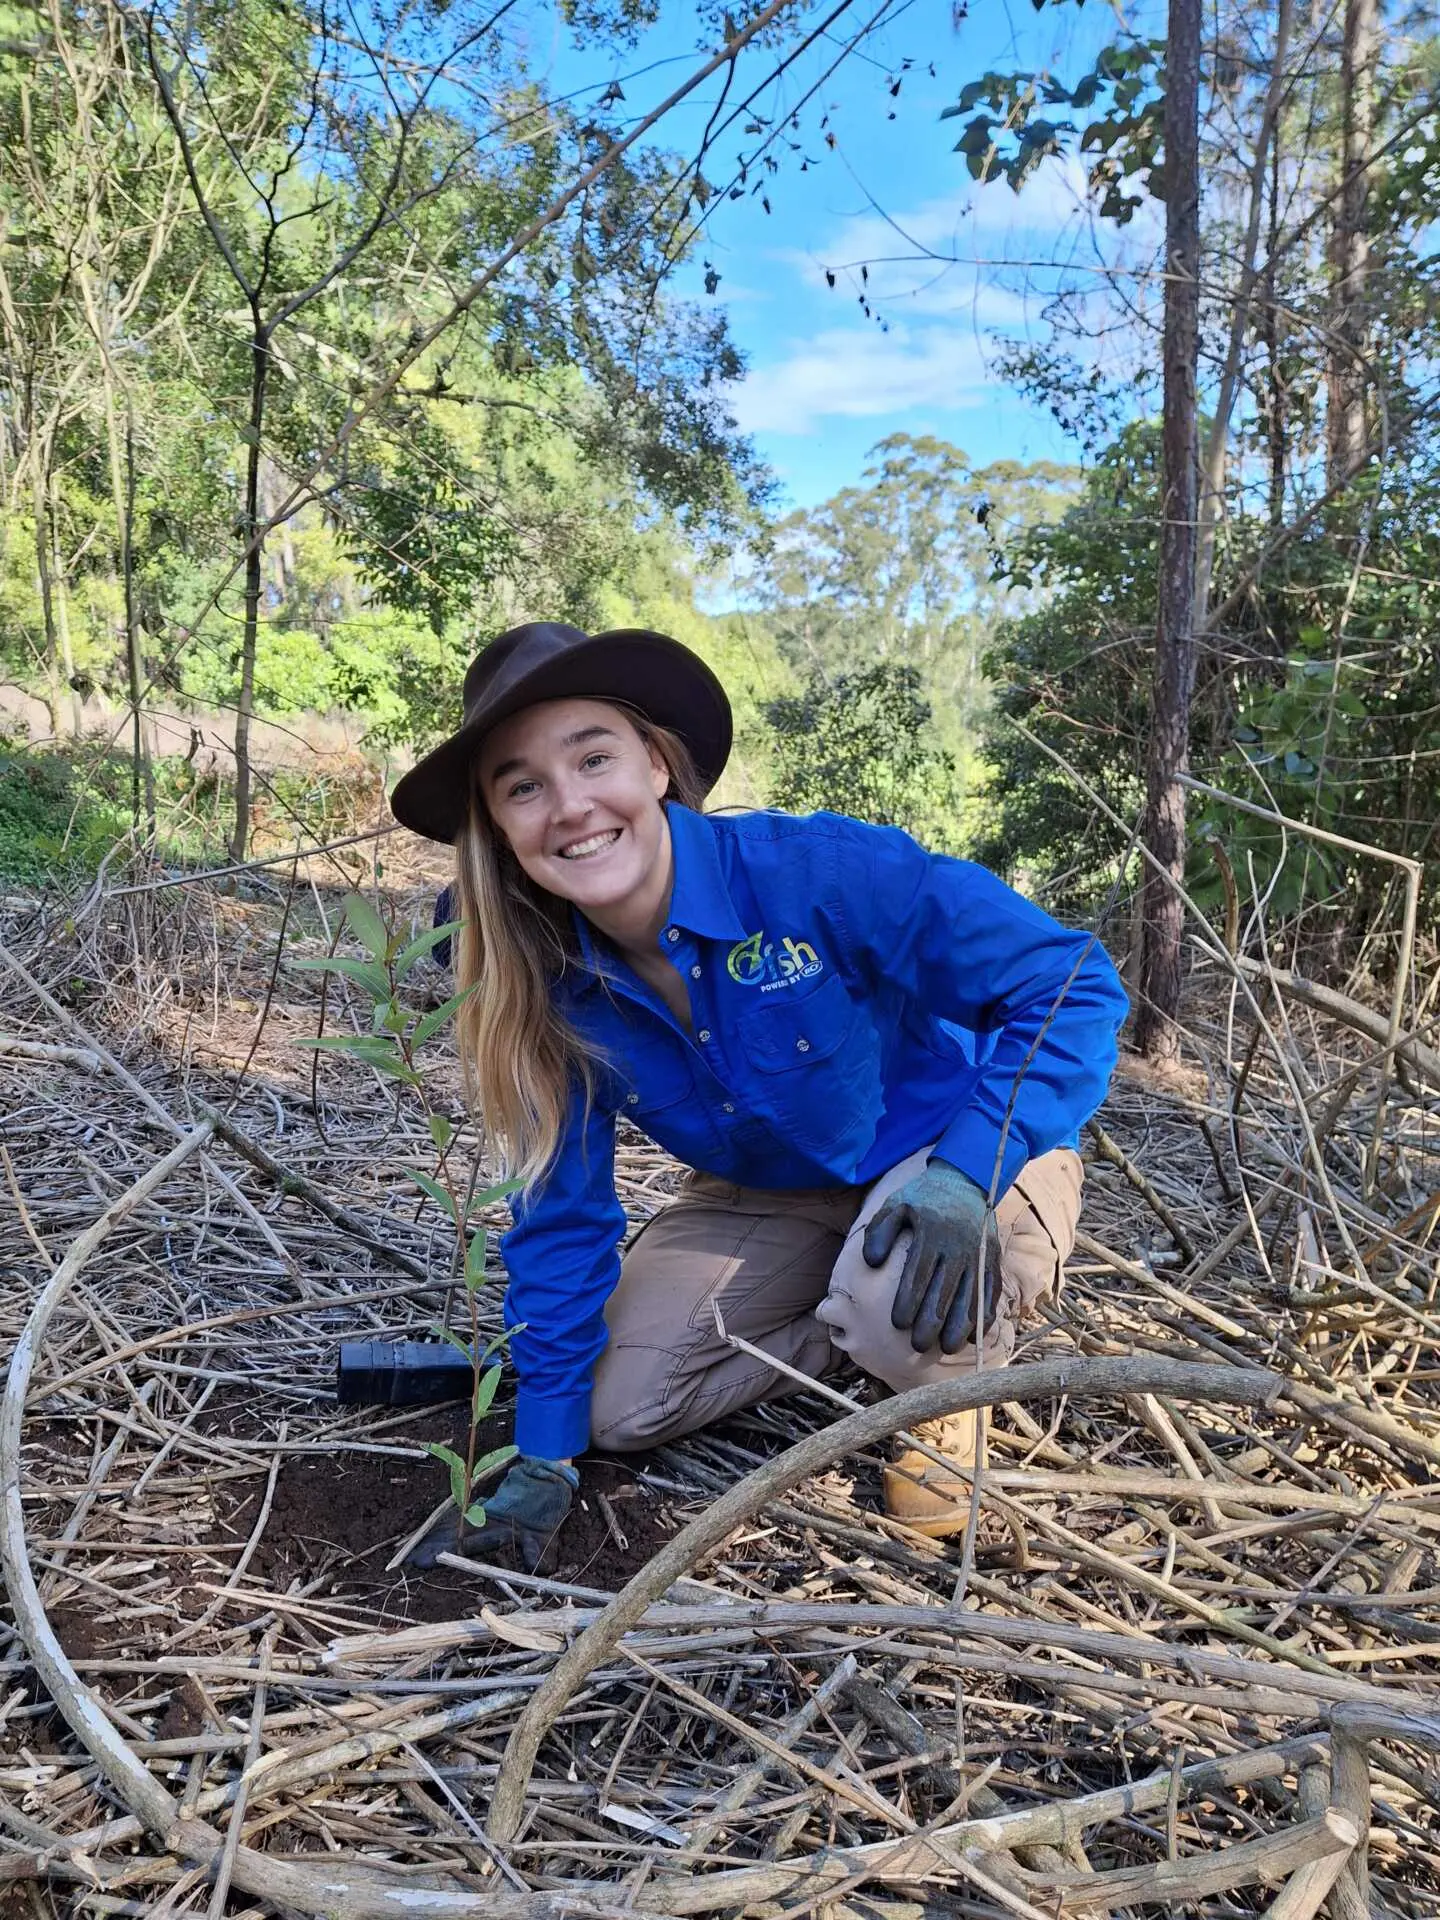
column 789, row 1275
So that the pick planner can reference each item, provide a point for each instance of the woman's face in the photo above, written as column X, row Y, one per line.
column 576, row 792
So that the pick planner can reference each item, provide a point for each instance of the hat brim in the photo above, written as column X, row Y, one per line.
column 651, row 672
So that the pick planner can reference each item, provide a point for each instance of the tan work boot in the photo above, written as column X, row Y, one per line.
column 925, row 1496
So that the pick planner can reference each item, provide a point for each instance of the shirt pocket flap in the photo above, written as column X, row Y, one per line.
column 783, row 1033
column 659, row 1080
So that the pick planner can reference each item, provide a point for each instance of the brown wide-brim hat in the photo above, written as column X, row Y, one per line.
column 666, row 682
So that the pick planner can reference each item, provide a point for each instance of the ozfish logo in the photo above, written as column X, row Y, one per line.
column 758, row 962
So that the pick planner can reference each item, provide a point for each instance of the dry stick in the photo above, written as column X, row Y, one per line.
column 136, row 1785
column 1412, row 870
column 1303, row 1894
column 745, row 1783
column 1307, row 1691
column 910, row 1859
column 1182, row 1882
column 1018, row 1516
column 220, row 1893
column 147, row 1099
column 813, row 1455
column 1116, row 1156
column 288, row 1181
column 908, row 1734
column 352, row 1893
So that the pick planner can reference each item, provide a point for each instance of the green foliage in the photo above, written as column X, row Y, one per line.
column 1016, row 132
column 48, row 825
column 864, row 744
column 911, row 568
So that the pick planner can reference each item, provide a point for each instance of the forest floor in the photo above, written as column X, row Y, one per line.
column 1189, row 1658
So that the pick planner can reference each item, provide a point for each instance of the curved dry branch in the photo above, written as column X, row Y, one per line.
column 1247, row 1386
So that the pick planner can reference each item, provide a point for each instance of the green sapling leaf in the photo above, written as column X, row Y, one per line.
column 456, row 1466
column 418, row 948
column 442, row 1130
column 433, row 1187
column 431, row 1023
column 364, row 973
column 484, row 1397
column 491, row 1195
column 367, row 926
column 475, row 1262
column 497, row 1457
column 449, row 1334
column 475, row 1516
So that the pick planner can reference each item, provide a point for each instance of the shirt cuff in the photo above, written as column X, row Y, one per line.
column 552, row 1428
column 971, row 1142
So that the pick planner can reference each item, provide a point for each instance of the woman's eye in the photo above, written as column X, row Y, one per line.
column 522, row 789
column 593, row 760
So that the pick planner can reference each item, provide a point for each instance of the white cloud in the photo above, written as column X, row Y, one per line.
column 984, row 250
column 859, row 373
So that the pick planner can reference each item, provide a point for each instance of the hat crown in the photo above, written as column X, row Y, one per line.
column 512, row 655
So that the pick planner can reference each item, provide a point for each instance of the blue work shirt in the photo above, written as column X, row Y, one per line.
column 854, row 998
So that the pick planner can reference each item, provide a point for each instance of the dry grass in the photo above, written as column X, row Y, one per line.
column 1175, row 1668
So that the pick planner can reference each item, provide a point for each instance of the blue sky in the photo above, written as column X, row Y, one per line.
column 825, row 381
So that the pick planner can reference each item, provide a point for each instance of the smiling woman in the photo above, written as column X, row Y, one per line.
column 874, row 1060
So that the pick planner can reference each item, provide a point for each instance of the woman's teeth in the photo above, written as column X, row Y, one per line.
column 597, row 843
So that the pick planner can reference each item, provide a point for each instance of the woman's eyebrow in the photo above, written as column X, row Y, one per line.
column 596, row 732
column 578, row 739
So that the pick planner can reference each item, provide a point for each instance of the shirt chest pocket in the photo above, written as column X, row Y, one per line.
column 656, row 1083
column 784, row 1033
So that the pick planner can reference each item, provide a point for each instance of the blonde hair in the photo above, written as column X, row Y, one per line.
column 522, row 1059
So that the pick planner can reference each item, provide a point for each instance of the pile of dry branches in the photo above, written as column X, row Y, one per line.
column 1182, row 1663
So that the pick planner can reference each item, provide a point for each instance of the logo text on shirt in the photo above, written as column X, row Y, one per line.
column 758, row 962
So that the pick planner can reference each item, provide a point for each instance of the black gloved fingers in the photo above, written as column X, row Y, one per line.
column 884, row 1230
column 960, row 1328
column 949, row 1282
column 448, row 1535
column 914, row 1282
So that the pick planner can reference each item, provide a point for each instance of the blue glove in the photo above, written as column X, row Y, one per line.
column 939, row 1293
column 525, row 1510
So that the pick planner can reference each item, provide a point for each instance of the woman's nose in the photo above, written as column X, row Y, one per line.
column 570, row 801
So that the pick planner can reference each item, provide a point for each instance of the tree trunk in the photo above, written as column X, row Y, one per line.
column 122, row 488
column 1217, row 442
column 1346, row 431
column 254, row 579
column 1174, row 674
column 1276, row 398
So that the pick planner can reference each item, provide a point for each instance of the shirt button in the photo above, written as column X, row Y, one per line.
column 632, row 1099
column 729, row 1107
column 802, row 1045
column 672, row 934
column 695, row 973
column 703, row 1036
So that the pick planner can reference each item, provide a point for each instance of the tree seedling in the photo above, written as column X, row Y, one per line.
column 398, row 1030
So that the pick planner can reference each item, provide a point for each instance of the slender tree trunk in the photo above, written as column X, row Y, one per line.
column 143, row 772
column 1174, row 674
column 1346, row 432
column 254, row 580
column 122, row 490
column 1275, row 395
column 55, row 601
column 1212, row 479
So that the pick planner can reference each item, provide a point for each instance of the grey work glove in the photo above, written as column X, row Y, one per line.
column 525, row 1510
column 939, row 1293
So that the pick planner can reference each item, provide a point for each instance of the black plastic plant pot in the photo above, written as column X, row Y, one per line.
column 400, row 1373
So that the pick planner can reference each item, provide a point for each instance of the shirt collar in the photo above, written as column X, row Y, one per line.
column 699, row 900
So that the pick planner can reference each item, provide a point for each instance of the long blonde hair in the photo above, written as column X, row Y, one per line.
column 522, row 1059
